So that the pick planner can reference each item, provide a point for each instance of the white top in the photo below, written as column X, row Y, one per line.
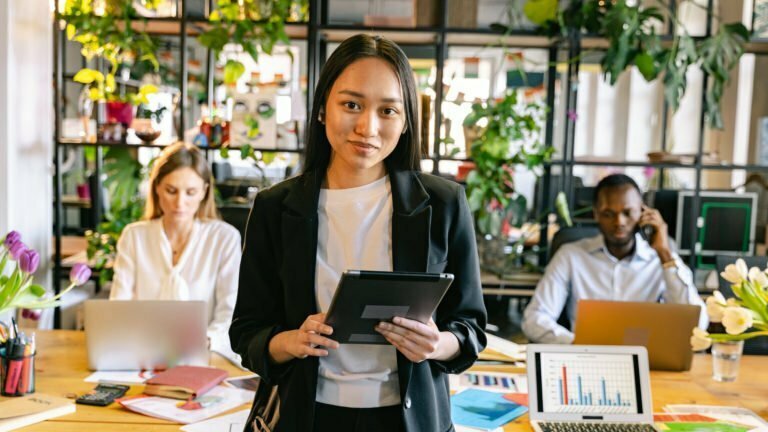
column 585, row 269
column 355, row 233
column 207, row 269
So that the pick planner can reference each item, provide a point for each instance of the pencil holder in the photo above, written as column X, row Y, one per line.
column 17, row 373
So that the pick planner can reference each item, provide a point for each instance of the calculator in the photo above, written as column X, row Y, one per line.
column 103, row 394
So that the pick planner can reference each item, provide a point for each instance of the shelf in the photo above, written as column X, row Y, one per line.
column 163, row 145
column 722, row 166
column 498, row 39
column 405, row 36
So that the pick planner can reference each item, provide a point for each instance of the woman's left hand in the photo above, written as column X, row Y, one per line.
column 417, row 341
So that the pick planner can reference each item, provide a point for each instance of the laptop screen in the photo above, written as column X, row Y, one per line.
column 588, row 383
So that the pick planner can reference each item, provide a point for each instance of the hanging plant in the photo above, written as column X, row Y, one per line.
column 633, row 41
column 254, row 25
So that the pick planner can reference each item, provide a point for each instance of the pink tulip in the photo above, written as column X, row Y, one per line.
column 12, row 238
column 79, row 274
column 28, row 261
column 16, row 250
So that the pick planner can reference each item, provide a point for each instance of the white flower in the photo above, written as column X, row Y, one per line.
column 735, row 273
column 716, row 306
column 737, row 320
column 700, row 339
column 756, row 276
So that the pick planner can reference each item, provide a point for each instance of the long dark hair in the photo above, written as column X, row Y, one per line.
column 406, row 155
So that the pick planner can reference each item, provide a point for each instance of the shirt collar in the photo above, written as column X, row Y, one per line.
column 643, row 250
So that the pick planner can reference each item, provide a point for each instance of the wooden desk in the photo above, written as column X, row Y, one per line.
column 61, row 366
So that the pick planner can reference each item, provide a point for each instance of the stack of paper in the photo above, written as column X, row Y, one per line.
column 483, row 410
column 705, row 418
column 19, row 412
column 214, row 402
column 499, row 349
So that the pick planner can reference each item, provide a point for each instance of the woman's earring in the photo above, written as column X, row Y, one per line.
column 320, row 117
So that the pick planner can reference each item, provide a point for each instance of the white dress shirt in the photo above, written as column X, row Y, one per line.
column 585, row 269
column 355, row 233
column 207, row 270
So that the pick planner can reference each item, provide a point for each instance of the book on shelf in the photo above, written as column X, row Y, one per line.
column 184, row 382
column 26, row 410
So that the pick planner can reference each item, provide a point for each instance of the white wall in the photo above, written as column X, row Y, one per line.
column 26, row 113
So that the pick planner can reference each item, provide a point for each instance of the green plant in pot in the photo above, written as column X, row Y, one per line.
column 102, row 89
column 509, row 136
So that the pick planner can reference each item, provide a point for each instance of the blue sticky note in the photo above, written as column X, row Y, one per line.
column 483, row 409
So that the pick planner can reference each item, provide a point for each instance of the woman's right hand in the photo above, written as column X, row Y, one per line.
column 291, row 344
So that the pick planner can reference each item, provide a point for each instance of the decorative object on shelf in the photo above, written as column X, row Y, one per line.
column 246, row 23
column 711, row 158
column 748, row 310
column 510, row 136
column 148, row 135
column 633, row 41
column 17, row 289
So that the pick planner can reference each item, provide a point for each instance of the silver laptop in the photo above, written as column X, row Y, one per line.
column 145, row 334
column 589, row 387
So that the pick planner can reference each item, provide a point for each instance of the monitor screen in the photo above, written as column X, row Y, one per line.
column 588, row 383
column 717, row 210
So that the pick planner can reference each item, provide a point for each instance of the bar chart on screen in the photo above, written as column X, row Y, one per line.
column 579, row 383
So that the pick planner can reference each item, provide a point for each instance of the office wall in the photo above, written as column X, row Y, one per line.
column 26, row 112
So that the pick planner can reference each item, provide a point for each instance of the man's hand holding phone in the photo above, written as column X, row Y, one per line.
column 651, row 220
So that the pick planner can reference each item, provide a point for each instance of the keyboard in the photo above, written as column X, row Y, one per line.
column 595, row 427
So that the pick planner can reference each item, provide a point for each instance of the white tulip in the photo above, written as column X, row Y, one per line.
column 700, row 339
column 756, row 276
column 735, row 273
column 737, row 320
column 715, row 308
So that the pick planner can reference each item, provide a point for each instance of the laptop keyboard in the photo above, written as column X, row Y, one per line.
column 595, row 427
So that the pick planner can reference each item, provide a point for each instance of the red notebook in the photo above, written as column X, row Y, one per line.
column 184, row 382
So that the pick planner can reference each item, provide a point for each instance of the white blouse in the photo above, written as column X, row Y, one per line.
column 207, row 269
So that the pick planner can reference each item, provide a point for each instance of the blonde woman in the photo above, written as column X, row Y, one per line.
column 181, row 250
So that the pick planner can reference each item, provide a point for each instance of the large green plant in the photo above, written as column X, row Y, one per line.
column 510, row 136
column 633, row 41
column 254, row 25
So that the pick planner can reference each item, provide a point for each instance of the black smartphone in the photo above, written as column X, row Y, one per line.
column 103, row 395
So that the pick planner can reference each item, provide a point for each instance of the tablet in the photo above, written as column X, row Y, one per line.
column 364, row 298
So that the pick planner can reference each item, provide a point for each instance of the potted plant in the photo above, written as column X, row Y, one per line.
column 509, row 136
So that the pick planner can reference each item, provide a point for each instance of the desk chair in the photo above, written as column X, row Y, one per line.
column 237, row 216
column 751, row 346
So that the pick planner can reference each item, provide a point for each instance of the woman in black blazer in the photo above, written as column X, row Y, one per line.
column 362, row 137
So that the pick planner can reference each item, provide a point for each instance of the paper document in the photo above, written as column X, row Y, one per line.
column 214, row 402
column 234, row 422
column 709, row 418
column 120, row 377
column 502, row 349
column 483, row 409
column 497, row 382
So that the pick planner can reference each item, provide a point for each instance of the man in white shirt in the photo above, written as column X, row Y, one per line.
column 619, row 264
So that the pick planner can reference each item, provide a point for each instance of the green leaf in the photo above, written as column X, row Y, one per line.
column 37, row 290
column 233, row 69
column 224, row 152
column 646, row 66
column 540, row 11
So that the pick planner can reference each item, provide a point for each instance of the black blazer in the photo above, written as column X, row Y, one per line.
column 432, row 231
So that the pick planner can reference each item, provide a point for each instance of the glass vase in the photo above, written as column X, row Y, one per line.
column 726, row 357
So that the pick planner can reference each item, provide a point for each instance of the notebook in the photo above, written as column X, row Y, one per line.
column 184, row 382
column 664, row 329
column 145, row 334
column 22, row 411
column 573, row 387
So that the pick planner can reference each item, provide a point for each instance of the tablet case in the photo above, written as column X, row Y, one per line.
column 365, row 298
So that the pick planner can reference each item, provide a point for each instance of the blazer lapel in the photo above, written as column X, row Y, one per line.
column 411, row 218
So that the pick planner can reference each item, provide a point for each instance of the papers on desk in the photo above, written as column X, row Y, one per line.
column 499, row 349
column 120, row 377
column 483, row 410
column 234, row 422
column 497, row 382
column 216, row 401
column 706, row 418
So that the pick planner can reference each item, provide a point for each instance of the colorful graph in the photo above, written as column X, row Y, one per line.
column 585, row 383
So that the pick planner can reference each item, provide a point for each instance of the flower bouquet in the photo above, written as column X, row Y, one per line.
column 749, row 310
column 17, row 289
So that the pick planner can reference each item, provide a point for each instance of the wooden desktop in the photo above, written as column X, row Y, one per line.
column 61, row 366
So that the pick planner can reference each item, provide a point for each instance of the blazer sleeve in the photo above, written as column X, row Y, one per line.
column 259, row 310
column 462, row 311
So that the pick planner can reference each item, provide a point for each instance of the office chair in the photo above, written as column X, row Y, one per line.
column 237, row 216
column 751, row 346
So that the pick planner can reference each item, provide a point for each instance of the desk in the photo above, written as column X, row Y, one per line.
column 62, row 365
column 518, row 285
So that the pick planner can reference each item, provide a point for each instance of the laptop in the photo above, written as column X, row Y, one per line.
column 589, row 388
column 145, row 334
column 664, row 329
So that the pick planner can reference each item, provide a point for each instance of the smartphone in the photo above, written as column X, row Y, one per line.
column 103, row 395
column 248, row 382
column 647, row 232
